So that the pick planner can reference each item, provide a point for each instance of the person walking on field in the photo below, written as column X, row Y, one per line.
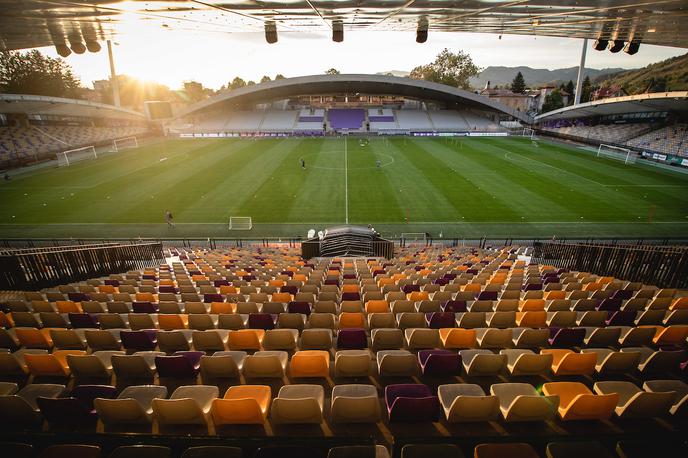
column 169, row 218
column 303, row 164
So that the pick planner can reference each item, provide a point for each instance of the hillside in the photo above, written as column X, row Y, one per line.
column 674, row 71
column 499, row 76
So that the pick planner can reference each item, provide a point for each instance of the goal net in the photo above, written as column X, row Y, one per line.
column 68, row 157
column 528, row 132
column 123, row 143
column 240, row 223
column 618, row 153
column 411, row 237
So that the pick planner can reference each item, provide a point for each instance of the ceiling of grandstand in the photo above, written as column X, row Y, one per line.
column 44, row 105
column 36, row 23
column 642, row 103
column 244, row 97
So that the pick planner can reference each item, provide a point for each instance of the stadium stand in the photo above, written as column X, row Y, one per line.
column 668, row 140
column 261, row 308
column 414, row 120
column 346, row 118
column 279, row 120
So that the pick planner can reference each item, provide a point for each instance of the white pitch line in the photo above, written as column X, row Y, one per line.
column 346, row 179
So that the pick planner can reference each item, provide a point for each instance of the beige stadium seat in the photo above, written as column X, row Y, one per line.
column 407, row 320
column 134, row 405
column 355, row 404
column 211, row 340
column 298, row 404
column 521, row 402
column 635, row 336
column 614, row 362
column 266, row 364
column 387, row 320
column 140, row 365
column 352, row 363
column 171, row 341
column 96, row 365
column 188, row 405
column 501, row 319
column 68, row 339
column 679, row 407
column 107, row 339
column 316, row 339
column 601, row 337
column 530, row 338
column 467, row 402
column 636, row 403
column 470, row 320
column 14, row 364
column 222, row 364
column 526, row 362
column 480, row 362
column 396, row 363
column 387, row 339
column 322, row 321
column 494, row 338
column 421, row 338
column 280, row 339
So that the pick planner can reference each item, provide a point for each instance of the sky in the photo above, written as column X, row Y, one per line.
column 170, row 56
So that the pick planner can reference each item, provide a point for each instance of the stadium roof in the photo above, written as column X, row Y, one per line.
column 642, row 103
column 41, row 104
column 36, row 23
column 349, row 84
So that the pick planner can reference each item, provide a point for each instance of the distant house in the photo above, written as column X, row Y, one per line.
column 520, row 102
column 605, row 92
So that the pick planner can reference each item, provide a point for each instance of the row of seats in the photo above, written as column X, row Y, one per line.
column 569, row 449
column 347, row 363
column 350, row 403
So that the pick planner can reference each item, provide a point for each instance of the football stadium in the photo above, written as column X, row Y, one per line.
column 452, row 261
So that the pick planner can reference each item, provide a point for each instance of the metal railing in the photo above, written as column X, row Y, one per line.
column 36, row 268
column 663, row 266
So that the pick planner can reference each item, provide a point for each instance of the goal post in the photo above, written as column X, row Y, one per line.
column 122, row 143
column 616, row 152
column 66, row 158
column 411, row 237
column 528, row 132
column 240, row 223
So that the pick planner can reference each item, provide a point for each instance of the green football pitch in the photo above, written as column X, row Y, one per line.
column 459, row 187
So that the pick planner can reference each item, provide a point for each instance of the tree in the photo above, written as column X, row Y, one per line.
column 518, row 85
column 236, row 84
column 570, row 89
column 265, row 79
column 586, row 90
column 452, row 69
column 194, row 91
column 250, row 83
column 332, row 71
column 553, row 101
column 279, row 76
column 659, row 84
column 34, row 73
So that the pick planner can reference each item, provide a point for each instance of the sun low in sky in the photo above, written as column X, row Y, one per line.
column 172, row 56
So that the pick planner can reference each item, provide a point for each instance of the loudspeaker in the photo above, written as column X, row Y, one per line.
column 600, row 44
column 617, row 45
column 632, row 47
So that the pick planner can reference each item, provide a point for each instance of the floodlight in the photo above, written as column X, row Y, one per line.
column 617, row 45
column 632, row 47
column 600, row 44
column 271, row 32
column 337, row 31
column 93, row 46
column 422, row 31
column 63, row 50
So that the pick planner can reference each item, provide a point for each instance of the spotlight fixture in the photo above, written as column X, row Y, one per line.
column 632, row 47
column 617, row 45
column 93, row 46
column 77, row 45
column 271, row 32
column 337, row 31
column 63, row 50
column 422, row 31
column 600, row 44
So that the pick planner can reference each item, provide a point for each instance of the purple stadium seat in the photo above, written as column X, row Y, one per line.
column 487, row 296
column 332, row 281
column 144, row 307
column 441, row 281
column 180, row 365
column 299, row 307
column 439, row 362
column 293, row 290
column 218, row 283
column 622, row 294
column 76, row 410
column 566, row 337
column 378, row 272
column 83, row 320
column 621, row 318
column 142, row 340
column 533, row 287
column 213, row 297
column 449, row 276
column 86, row 394
column 411, row 402
column 352, row 339
column 351, row 296
column 349, row 276
column 264, row 321
column 288, row 273
column 78, row 297
column 437, row 320
column 410, row 288
column 609, row 305
column 167, row 289
column 114, row 283
column 248, row 277
column 454, row 306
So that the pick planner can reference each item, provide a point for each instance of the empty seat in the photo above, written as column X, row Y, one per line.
column 246, row 339
column 411, row 402
column 397, row 363
column 526, row 362
column 442, row 363
column 614, row 362
column 511, row 450
column 134, row 405
column 298, row 404
column 280, row 339
column 242, row 404
column 183, row 364
column 466, row 402
column 355, row 404
column 50, row 364
column 71, row 450
column 352, row 363
column 480, row 362
column 387, row 339
column 140, row 365
column 222, row 364
column 568, row 362
column 417, row 338
column 20, row 410
column 577, row 402
column 96, row 365
column 522, row 402
column 188, row 405
column 310, row 363
column 265, row 364
column 679, row 407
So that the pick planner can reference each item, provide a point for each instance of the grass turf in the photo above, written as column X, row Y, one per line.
column 463, row 187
